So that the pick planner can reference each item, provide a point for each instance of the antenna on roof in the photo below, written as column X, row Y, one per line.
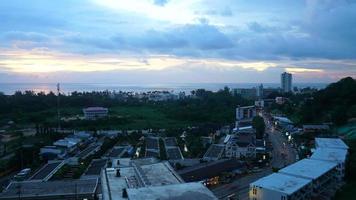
column 58, row 111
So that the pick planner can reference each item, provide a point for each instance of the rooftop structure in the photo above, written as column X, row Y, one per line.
column 152, row 143
column 330, row 154
column 95, row 167
column 196, row 191
column 283, row 183
column 128, row 162
column 174, row 153
column 118, row 151
column 170, row 141
column 330, row 143
column 34, row 190
column 91, row 149
column 47, row 171
column 316, row 127
column 245, row 112
column 115, row 180
column 215, row 152
column 308, row 168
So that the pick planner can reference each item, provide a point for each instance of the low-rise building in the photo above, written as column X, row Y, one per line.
column 52, row 190
column 338, row 156
column 315, row 128
column 241, row 145
column 324, row 170
column 281, row 187
column 214, row 152
column 92, row 113
column 322, row 173
column 142, row 180
column 330, row 143
column 245, row 113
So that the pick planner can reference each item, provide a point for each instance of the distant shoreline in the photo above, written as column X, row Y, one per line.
column 11, row 88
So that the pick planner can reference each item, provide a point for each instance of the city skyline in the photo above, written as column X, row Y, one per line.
column 171, row 41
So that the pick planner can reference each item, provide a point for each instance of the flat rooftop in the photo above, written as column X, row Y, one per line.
column 170, row 141
column 330, row 143
column 95, row 167
column 282, row 183
column 214, row 151
column 118, row 151
column 330, row 154
column 182, row 191
column 137, row 176
column 174, row 153
column 47, row 170
column 308, row 168
column 35, row 189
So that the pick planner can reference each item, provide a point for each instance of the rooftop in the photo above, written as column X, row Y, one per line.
column 330, row 143
column 281, row 182
column 330, row 154
column 95, row 167
column 170, row 141
column 316, row 126
column 308, row 168
column 215, row 151
column 95, row 109
column 36, row 189
column 137, row 176
column 182, row 191
column 47, row 170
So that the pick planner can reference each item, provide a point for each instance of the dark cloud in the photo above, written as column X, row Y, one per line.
column 323, row 29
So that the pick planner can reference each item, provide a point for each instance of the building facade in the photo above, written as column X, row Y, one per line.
column 286, row 82
column 95, row 112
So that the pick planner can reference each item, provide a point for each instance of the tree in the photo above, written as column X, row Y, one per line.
column 259, row 124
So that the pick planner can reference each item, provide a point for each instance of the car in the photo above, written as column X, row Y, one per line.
column 23, row 173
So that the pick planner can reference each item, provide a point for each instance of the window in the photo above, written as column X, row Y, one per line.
column 254, row 191
column 283, row 198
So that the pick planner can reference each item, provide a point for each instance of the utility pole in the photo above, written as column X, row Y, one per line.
column 58, row 111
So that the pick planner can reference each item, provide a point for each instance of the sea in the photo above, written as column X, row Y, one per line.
column 67, row 88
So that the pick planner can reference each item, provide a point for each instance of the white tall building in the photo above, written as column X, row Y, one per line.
column 286, row 82
column 259, row 91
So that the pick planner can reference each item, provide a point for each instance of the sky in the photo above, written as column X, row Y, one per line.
column 176, row 41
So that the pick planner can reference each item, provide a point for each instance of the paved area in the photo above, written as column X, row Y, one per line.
column 282, row 155
column 240, row 187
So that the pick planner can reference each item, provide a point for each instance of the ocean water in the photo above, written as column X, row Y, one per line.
column 11, row 88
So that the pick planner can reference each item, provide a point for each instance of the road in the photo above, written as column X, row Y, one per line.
column 240, row 187
column 282, row 155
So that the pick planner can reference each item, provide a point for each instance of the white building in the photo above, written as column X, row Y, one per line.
column 286, row 82
column 330, row 143
column 240, row 145
column 325, row 170
column 334, row 155
column 280, row 187
column 136, row 179
column 245, row 114
column 95, row 112
column 322, row 173
column 259, row 91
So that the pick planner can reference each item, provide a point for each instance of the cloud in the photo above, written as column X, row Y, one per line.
column 246, row 35
column 160, row 2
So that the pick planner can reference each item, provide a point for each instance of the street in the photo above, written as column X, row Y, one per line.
column 282, row 155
